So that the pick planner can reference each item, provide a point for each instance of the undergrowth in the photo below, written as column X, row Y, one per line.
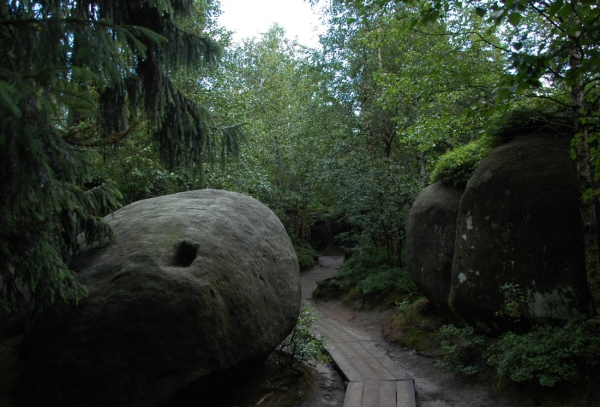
column 461, row 349
column 306, row 255
column 549, row 355
column 416, row 326
column 368, row 273
column 543, row 358
column 302, row 346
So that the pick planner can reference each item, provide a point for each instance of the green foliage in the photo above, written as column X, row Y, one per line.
column 516, row 302
column 76, row 77
column 371, row 273
column 270, row 84
column 385, row 279
column 405, row 307
column 456, row 166
column 461, row 347
column 301, row 345
column 306, row 255
column 405, row 93
column 46, row 206
column 549, row 355
column 138, row 173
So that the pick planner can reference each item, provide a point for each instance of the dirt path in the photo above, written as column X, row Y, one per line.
column 435, row 387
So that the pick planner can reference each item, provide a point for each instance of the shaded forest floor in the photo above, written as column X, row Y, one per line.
column 435, row 386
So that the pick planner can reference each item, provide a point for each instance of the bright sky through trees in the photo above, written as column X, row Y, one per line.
column 249, row 18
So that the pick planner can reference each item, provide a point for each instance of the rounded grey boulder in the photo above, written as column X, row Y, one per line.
column 430, row 233
column 196, row 283
column 519, row 224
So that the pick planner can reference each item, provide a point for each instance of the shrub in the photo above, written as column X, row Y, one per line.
column 306, row 255
column 385, row 279
column 547, row 354
column 138, row 174
column 457, row 165
column 462, row 348
column 301, row 345
column 371, row 273
column 405, row 307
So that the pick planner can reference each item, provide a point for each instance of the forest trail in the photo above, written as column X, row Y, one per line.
column 373, row 378
column 434, row 387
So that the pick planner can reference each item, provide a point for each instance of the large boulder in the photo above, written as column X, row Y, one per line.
column 519, row 224
column 196, row 283
column 430, row 233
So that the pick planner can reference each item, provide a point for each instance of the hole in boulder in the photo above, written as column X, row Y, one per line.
column 185, row 253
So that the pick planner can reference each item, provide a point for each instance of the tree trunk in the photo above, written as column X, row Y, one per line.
column 584, row 170
column 304, row 219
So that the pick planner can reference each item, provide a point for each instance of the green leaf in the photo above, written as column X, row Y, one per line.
column 555, row 7
column 565, row 11
column 514, row 19
column 502, row 93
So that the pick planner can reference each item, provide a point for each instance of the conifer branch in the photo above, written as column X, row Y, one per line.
column 109, row 140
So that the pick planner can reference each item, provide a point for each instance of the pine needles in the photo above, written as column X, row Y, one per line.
column 74, row 76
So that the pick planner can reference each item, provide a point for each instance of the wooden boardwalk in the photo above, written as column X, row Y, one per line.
column 374, row 380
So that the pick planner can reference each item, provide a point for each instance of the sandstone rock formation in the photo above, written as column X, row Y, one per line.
column 518, row 224
column 430, row 233
column 196, row 283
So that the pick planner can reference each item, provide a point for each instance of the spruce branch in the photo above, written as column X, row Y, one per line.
column 111, row 139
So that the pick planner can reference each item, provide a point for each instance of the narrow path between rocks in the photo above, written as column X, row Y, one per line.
column 435, row 388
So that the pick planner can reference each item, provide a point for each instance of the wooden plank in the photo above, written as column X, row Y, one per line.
column 347, row 368
column 363, row 368
column 373, row 350
column 338, row 331
column 387, row 394
column 405, row 393
column 324, row 330
column 382, row 372
column 395, row 370
column 354, row 393
column 334, row 334
column 386, row 362
column 347, row 330
column 371, row 394
column 331, row 334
